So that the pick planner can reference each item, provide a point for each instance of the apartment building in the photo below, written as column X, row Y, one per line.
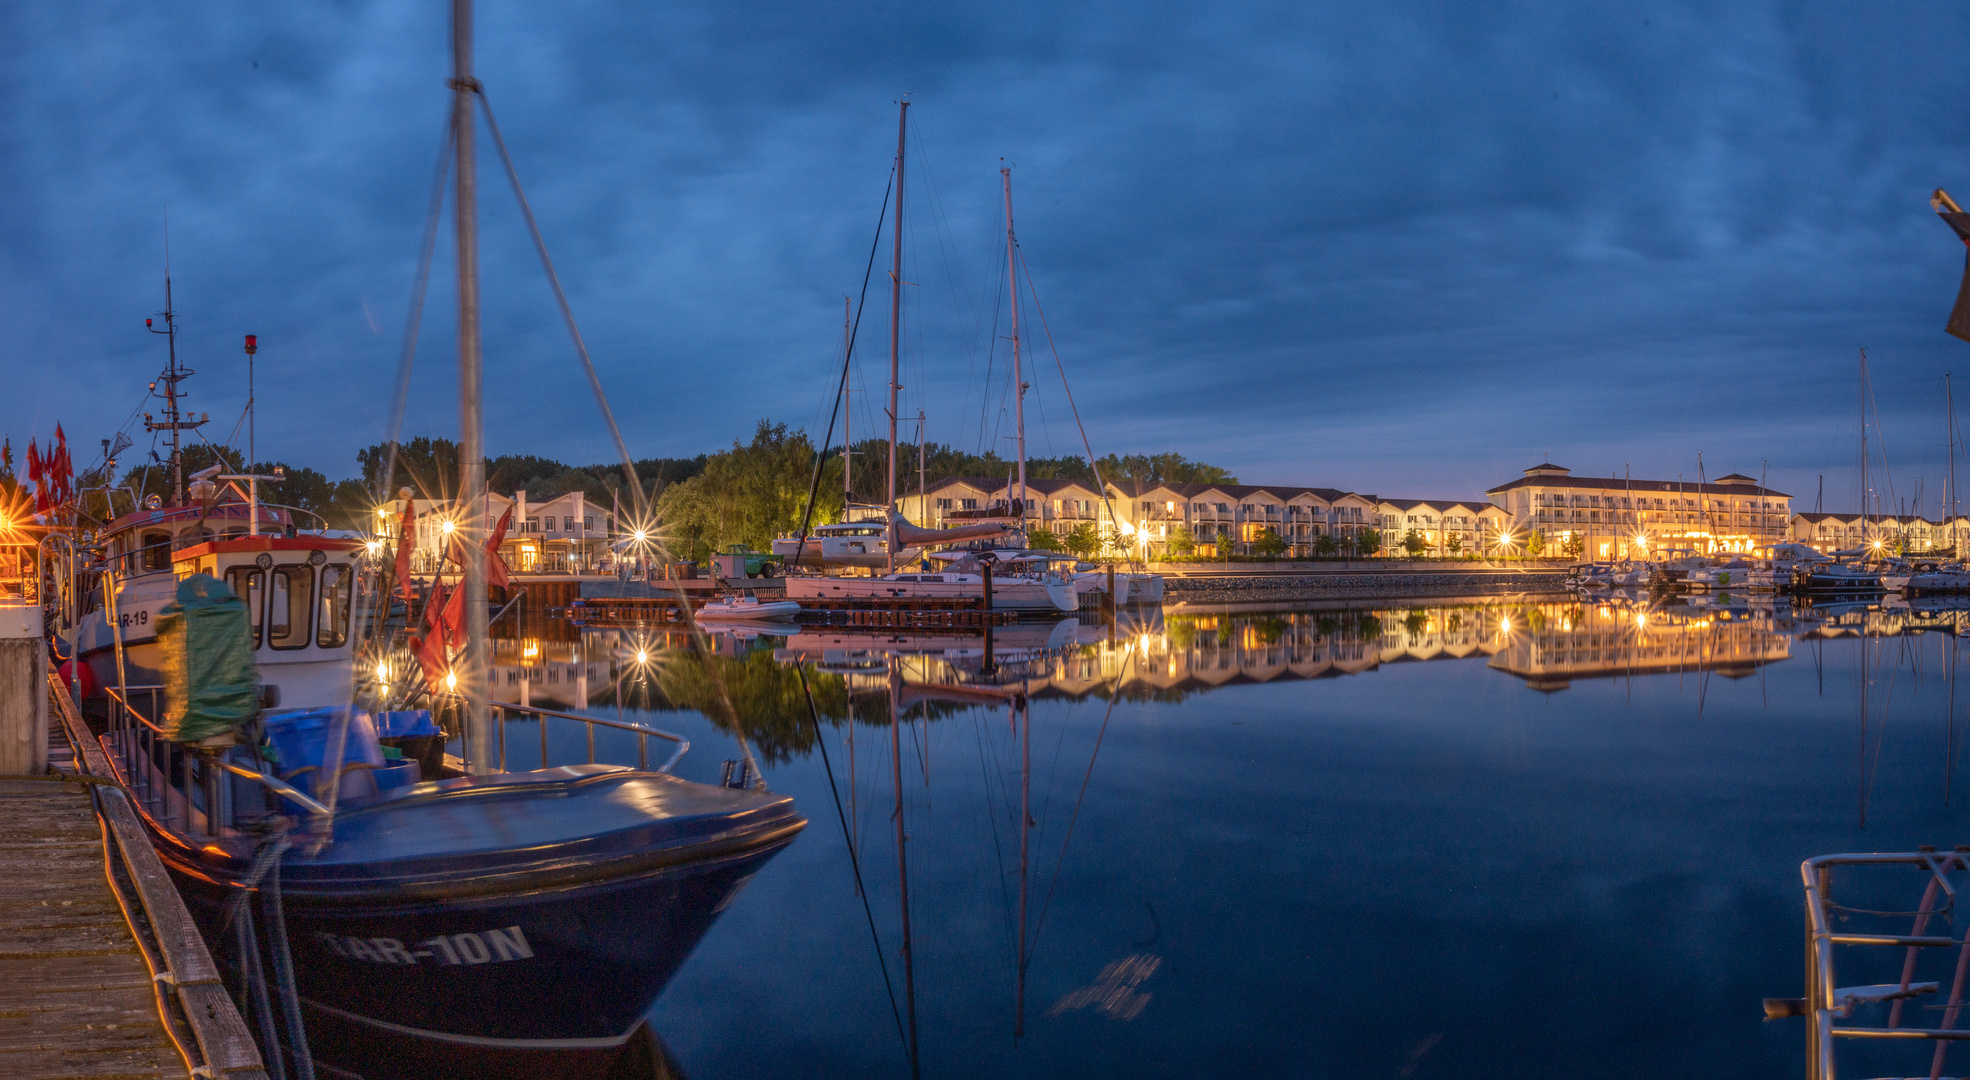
column 1443, row 526
column 562, row 535
column 1894, row 532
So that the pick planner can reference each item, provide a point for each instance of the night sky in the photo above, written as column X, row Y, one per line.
column 1400, row 248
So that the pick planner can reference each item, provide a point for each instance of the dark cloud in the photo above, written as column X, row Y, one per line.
column 1407, row 248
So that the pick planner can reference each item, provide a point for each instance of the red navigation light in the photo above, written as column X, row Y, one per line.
column 147, row 324
column 252, row 344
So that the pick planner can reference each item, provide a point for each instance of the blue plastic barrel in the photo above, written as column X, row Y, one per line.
column 405, row 724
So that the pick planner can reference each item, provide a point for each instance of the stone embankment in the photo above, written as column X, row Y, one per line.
column 1250, row 587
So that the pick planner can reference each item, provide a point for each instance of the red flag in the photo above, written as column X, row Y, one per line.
column 430, row 653
column 496, row 574
column 36, row 469
column 433, row 605
column 452, row 620
column 62, row 482
column 406, row 540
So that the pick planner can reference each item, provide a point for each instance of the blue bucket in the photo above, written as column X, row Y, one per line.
column 405, row 724
column 301, row 739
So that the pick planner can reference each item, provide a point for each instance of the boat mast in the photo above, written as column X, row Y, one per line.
column 895, row 325
column 1864, row 491
column 1018, row 381
column 174, row 420
column 847, row 415
column 1949, row 499
column 471, row 432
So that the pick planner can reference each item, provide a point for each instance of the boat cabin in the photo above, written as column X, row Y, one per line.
column 146, row 541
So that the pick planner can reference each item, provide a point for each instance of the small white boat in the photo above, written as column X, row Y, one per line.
column 748, row 609
column 1950, row 579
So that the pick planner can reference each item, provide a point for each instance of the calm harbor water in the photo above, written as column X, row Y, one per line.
column 1527, row 837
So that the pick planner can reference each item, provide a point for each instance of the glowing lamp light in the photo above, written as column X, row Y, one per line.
column 383, row 672
column 639, row 536
column 448, row 526
column 642, row 657
column 374, row 546
column 451, row 680
column 1505, row 625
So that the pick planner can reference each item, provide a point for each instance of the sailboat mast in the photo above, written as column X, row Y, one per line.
column 1949, row 501
column 1864, row 489
column 847, row 415
column 472, row 683
column 1018, row 379
column 895, row 322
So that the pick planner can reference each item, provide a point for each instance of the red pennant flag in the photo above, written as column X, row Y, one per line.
column 430, row 653
column 452, row 620
column 433, row 605
column 496, row 573
column 36, row 469
column 406, row 540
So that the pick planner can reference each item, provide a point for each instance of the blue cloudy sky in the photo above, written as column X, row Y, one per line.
column 1405, row 248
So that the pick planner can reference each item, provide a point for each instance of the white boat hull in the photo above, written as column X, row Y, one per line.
column 1008, row 594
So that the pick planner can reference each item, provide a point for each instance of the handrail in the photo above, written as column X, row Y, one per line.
column 272, row 783
column 639, row 730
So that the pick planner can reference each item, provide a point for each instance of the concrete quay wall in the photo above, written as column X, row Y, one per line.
column 1232, row 588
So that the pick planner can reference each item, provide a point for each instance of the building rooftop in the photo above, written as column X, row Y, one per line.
column 1734, row 484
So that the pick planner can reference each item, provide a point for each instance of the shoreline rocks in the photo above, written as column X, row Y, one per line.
column 1235, row 588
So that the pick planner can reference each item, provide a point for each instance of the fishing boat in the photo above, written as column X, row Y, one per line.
column 484, row 918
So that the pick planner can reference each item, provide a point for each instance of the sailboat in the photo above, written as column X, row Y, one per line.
column 485, row 920
column 971, row 579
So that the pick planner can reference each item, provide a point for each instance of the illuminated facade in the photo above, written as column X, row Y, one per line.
column 1618, row 518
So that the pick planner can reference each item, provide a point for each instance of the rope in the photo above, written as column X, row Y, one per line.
column 841, row 390
column 401, row 395
column 567, row 312
column 1113, row 696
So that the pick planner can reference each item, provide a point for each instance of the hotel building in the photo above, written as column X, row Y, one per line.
column 1618, row 517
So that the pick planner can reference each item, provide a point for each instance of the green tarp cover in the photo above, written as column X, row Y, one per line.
column 211, row 685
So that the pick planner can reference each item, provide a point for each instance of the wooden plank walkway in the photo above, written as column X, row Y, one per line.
column 76, row 996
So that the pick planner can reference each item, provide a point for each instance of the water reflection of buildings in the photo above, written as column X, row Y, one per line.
column 1606, row 640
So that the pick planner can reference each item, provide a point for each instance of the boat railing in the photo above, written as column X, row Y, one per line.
column 643, row 733
column 1906, row 945
column 170, row 791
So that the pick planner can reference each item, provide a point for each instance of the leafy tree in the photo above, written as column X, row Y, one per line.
column 1182, row 540
column 1368, row 541
column 1269, row 543
column 1454, row 543
column 1084, row 540
column 1044, row 540
column 1413, row 542
column 746, row 495
column 1535, row 545
column 1324, row 544
column 427, row 466
column 1572, row 545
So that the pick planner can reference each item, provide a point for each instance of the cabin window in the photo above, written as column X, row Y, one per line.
column 289, row 593
column 332, row 624
column 157, row 551
column 249, row 584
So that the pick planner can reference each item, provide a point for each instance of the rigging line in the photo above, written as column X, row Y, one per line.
column 407, row 353
column 1114, row 695
column 841, row 388
column 567, row 313
column 991, row 358
column 1085, row 444
column 992, row 817
column 854, row 862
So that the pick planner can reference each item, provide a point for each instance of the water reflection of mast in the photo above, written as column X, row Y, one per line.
column 902, row 860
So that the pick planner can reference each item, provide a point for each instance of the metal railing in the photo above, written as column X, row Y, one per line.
column 170, row 779
column 1835, row 1012
column 643, row 734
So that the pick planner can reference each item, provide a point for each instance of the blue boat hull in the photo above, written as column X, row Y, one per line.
column 516, row 915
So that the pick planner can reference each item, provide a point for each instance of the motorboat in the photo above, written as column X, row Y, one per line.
column 853, row 544
column 1631, row 575
column 1843, row 576
column 1942, row 579
column 748, row 608
column 1895, row 575
column 1735, row 573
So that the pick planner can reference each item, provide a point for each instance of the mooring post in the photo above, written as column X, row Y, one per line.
column 23, row 692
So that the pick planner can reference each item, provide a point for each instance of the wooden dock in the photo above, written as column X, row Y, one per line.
column 101, row 972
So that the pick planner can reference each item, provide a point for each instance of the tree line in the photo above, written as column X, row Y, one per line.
column 748, row 493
